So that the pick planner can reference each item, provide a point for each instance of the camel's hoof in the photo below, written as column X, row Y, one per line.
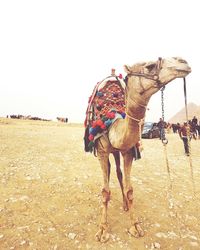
column 102, row 236
column 98, row 235
column 136, row 231
column 125, row 205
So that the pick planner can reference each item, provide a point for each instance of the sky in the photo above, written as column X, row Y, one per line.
column 52, row 53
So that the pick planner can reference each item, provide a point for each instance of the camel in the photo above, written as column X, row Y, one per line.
column 142, row 81
column 62, row 119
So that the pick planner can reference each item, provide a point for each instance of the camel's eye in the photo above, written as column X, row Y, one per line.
column 182, row 61
column 151, row 67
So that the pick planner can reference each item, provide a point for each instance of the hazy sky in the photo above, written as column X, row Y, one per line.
column 52, row 53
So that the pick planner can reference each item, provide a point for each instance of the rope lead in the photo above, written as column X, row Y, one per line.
column 189, row 142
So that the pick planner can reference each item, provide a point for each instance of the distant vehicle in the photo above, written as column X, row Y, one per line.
column 150, row 130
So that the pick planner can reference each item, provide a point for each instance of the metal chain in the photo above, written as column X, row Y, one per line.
column 164, row 140
column 163, row 137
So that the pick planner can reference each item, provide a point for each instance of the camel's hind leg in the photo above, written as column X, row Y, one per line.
column 120, row 179
column 102, row 234
column 136, row 229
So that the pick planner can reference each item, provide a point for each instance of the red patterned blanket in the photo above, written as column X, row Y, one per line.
column 106, row 104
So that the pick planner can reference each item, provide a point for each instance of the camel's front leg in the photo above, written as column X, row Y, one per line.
column 120, row 179
column 102, row 234
column 136, row 229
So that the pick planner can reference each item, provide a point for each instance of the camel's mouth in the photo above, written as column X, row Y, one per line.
column 187, row 70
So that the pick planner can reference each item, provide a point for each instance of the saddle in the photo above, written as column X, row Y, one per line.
column 105, row 106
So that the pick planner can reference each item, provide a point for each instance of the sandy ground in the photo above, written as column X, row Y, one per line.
column 51, row 192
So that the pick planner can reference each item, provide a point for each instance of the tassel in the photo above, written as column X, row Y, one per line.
column 91, row 145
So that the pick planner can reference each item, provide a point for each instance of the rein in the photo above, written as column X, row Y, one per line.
column 185, row 98
column 189, row 143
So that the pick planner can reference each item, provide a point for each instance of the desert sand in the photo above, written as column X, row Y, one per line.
column 51, row 191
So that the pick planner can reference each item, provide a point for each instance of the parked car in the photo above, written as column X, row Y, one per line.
column 150, row 130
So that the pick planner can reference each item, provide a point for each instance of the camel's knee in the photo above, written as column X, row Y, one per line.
column 105, row 195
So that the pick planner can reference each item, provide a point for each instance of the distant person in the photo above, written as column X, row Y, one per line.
column 184, row 133
column 175, row 127
column 194, row 124
column 161, row 126
column 178, row 126
column 194, row 120
column 198, row 129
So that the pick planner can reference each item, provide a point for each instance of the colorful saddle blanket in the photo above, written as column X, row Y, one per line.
column 106, row 104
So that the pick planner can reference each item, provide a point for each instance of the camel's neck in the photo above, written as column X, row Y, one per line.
column 135, row 110
column 124, row 134
column 135, row 114
column 136, row 105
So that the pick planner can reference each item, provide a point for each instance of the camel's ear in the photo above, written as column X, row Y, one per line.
column 127, row 69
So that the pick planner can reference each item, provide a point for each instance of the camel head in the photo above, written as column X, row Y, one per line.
column 147, row 78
